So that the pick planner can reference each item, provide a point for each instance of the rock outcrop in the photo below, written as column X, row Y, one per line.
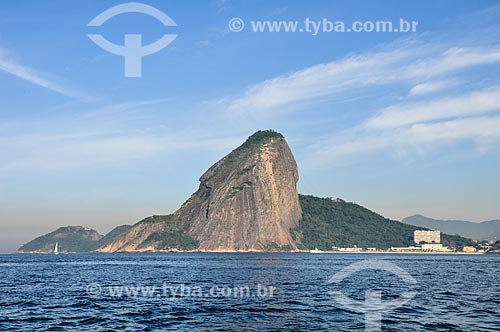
column 248, row 200
column 155, row 233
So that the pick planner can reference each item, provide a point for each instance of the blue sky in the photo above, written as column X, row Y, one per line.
column 401, row 123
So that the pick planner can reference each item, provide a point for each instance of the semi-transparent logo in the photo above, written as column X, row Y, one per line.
column 133, row 51
column 372, row 307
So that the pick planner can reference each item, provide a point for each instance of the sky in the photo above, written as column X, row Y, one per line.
column 402, row 123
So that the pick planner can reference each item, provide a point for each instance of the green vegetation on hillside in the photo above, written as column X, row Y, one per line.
column 274, row 247
column 234, row 163
column 253, row 143
column 69, row 239
column 261, row 137
column 456, row 241
column 495, row 247
column 245, row 170
column 234, row 190
column 168, row 219
column 328, row 223
column 113, row 235
column 170, row 237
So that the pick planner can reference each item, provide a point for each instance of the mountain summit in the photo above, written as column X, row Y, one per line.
column 248, row 200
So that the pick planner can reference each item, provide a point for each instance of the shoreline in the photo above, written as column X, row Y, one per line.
column 258, row 252
column 401, row 252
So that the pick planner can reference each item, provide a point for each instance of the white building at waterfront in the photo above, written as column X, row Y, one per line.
column 427, row 236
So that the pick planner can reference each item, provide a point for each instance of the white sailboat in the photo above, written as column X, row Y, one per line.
column 56, row 249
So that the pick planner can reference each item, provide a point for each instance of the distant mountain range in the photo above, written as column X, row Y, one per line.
column 486, row 230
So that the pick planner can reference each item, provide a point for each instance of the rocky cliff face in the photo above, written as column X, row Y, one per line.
column 248, row 200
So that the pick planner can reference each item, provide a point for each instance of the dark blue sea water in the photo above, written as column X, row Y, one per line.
column 242, row 292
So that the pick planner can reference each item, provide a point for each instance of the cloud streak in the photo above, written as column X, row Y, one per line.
column 430, row 87
column 30, row 75
column 416, row 140
column 408, row 113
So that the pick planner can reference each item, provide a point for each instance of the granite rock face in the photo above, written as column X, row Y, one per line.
column 248, row 200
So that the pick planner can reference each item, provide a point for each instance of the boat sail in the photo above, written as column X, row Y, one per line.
column 56, row 248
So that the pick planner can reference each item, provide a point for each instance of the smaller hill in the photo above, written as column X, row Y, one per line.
column 326, row 223
column 69, row 239
column 150, row 234
column 114, row 234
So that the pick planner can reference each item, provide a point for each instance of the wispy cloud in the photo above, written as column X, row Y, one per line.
column 484, row 129
column 12, row 67
column 409, row 62
column 419, row 139
column 452, row 59
column 319, row 81
column 442, row 108
column 431, row 87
